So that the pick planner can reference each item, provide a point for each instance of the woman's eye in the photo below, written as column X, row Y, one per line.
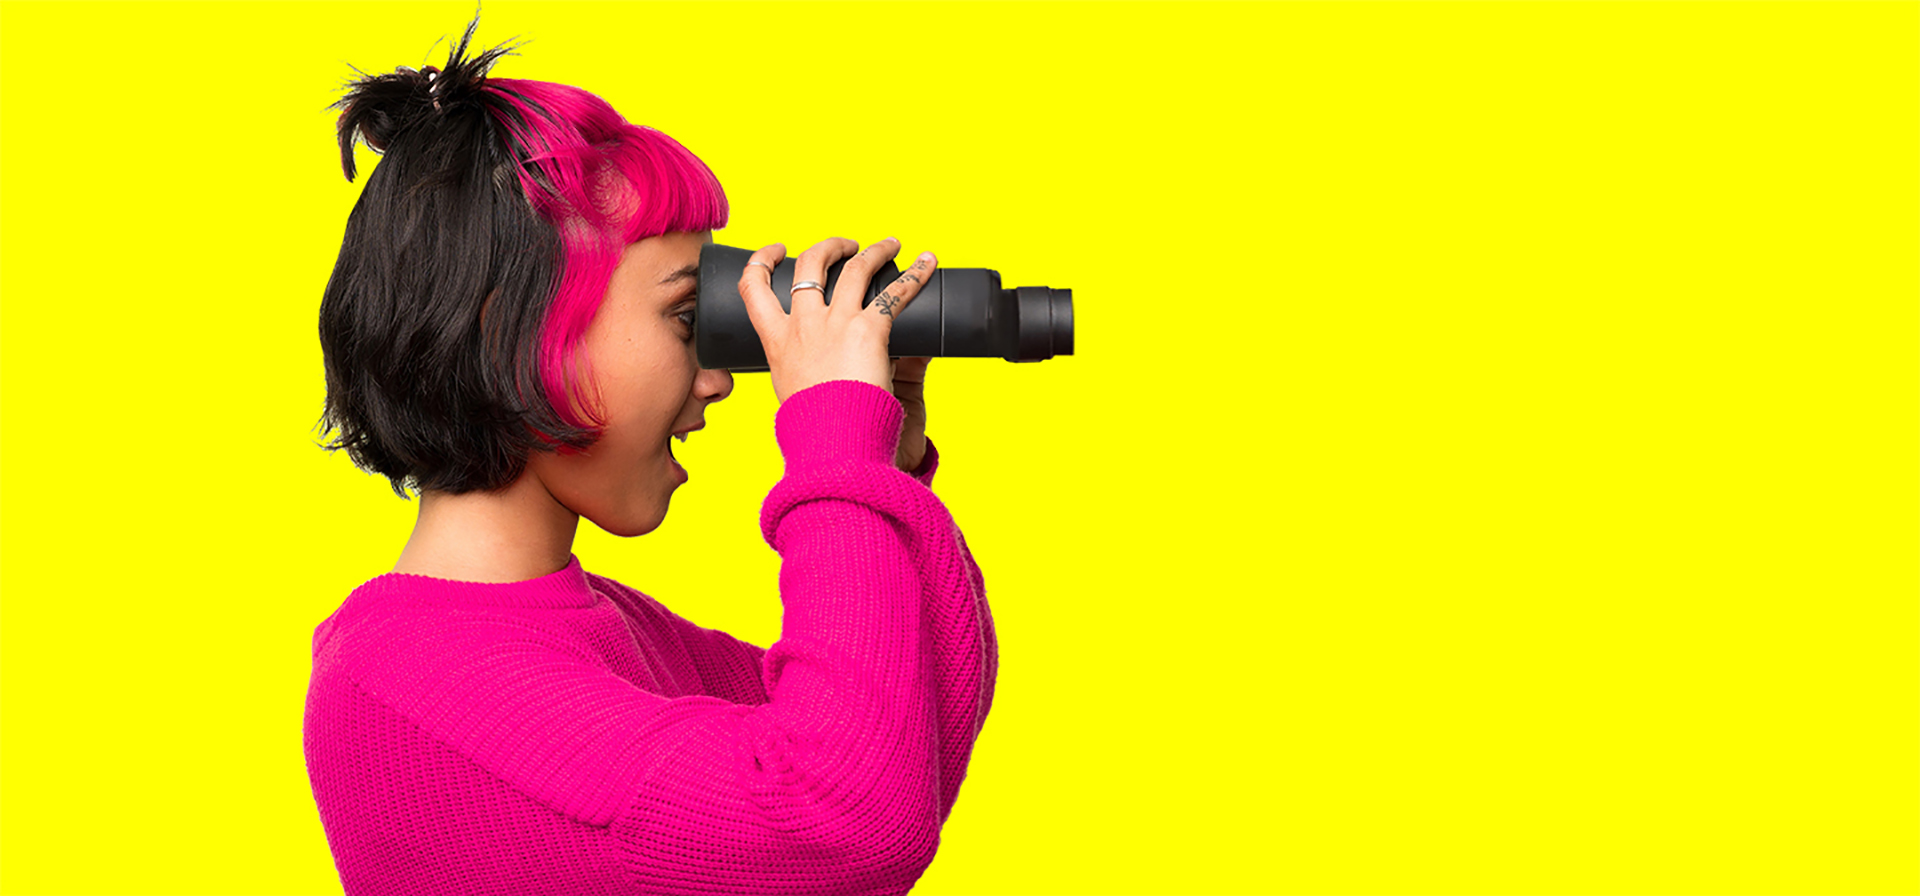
column 687, row 317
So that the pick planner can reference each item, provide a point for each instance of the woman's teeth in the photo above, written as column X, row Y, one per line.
column 681, row 436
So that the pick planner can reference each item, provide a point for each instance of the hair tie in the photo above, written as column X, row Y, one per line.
column 433, row 87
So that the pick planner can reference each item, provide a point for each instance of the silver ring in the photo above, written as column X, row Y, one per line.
column 808, row 284
column 764, row 265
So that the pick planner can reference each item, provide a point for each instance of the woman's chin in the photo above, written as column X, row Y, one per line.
column 635, row 525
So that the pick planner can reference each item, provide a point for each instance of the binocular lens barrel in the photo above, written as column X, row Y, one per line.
column 958, row 313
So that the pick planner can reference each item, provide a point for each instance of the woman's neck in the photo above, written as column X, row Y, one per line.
column 512, row 535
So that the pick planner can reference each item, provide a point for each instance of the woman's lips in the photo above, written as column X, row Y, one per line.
column 675, row 462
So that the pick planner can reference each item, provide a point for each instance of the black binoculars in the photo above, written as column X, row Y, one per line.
column 959, row 313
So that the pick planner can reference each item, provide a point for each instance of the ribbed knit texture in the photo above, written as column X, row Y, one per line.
column 571, row 735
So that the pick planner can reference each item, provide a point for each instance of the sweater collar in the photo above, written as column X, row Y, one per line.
column 566, row 587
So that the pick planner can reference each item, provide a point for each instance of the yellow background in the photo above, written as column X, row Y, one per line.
column 1488, row 464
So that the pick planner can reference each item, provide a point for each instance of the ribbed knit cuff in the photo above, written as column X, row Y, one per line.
column 839, row 420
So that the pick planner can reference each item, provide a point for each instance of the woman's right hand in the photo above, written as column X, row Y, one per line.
column 820, row 341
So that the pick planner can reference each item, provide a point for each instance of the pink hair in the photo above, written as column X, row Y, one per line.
column 603, row 183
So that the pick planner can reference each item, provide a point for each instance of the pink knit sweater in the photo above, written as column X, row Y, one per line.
column 571, row 735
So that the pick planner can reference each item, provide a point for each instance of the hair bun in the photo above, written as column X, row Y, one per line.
column 378, row 108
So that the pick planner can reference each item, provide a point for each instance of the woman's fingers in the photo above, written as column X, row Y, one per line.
column 812, row 265
column 756, row 289
column 813, row 343
column 857, row 274
column 895, row 297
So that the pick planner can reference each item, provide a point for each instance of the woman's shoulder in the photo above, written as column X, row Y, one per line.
column 638, row 606
column 728, row 667
column 642, row 608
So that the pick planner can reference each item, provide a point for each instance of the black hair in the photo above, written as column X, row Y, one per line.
column 430, row 326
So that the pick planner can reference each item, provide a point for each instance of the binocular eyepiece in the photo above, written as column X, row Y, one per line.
column 959, row 313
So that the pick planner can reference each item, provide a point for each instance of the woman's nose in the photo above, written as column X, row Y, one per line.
column 715, row 385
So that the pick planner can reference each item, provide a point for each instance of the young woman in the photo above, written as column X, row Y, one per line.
column 507, row 333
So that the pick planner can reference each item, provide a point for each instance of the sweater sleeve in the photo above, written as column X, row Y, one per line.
column 980, row 674
column 990, row 642
column 841, row 780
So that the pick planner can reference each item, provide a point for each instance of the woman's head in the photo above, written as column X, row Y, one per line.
column 496, row 309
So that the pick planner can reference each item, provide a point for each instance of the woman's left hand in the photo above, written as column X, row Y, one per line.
column 909, row 386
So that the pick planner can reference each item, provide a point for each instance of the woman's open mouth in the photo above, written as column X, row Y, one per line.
column 682, row 436
column 676, row 461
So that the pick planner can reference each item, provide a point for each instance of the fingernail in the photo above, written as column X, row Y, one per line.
column 926, row 256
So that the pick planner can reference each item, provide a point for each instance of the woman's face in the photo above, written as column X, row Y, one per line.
column 640, row 346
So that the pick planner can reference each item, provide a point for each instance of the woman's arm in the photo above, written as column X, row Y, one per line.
column 982, row 651
column 834, row 780
column 964, row 648
column 955, row 649
column 928, row 464
column 855, row 759
column 989, row 670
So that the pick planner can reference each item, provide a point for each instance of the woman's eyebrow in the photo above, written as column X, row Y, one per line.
column 692, row 270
